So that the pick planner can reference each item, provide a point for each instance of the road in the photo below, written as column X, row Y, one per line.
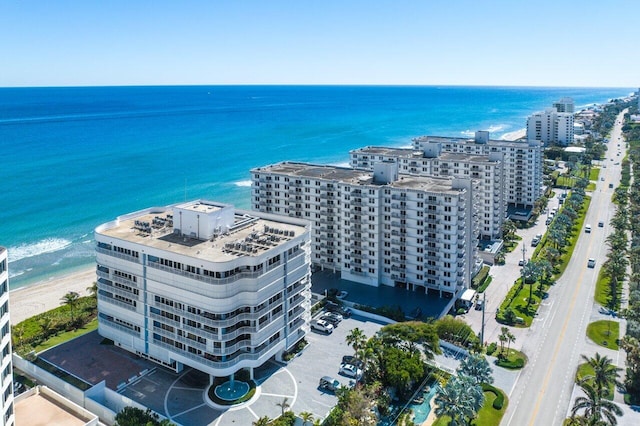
column 556, row 339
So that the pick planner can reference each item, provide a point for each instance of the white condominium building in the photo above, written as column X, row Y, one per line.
column 487, row 169
column 7, row 416
column 565, row 104
column 522, row 162
column 204, row 285
column 379, row 228
column 550, row 126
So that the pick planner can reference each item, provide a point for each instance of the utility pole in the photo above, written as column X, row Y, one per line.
column 524, row 251
column 484, row 308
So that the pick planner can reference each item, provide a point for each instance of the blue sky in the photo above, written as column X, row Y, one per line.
column 428, row 42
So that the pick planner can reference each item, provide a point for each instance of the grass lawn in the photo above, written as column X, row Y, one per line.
column 604, row 333
column 487, row 416
column 66, row 336
column 575, row 233
column 519, row 302
column 603, row 292
column 595, row 172
column 586, row 370
column 591, row 187
column 514, row 359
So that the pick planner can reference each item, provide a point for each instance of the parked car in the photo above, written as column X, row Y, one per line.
column 329, row 383
column 334, row 307
column 548, row 221
column 350, row 370
column 591, row 263
column 350, row 359
column 587, row 228
column 343, row 294
column 338, row 317
column 601, row 224
column 322, row 326
column 479, row 305
column 334, row 322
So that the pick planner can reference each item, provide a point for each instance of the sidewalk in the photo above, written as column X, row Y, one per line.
column 503, row 278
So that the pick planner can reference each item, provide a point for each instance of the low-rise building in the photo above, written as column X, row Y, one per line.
column 203, row 284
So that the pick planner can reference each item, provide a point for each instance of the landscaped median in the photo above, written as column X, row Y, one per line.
column 605, row 333
column 548, row 262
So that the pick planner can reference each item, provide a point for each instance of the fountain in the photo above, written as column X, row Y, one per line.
column 232, row 390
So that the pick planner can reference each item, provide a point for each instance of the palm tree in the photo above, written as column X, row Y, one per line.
column 284, row 405
column 262, row 421
column 93, row 289
column 71, row 299
column 605, row 373
column 356, row 339
column 595, row 405
column 46, row 323
column 503, row 337
column 477, row 367
column 510, row 339
column 306, row 416
column 448, row 402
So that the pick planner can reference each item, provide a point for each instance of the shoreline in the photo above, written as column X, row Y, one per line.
column 515, row 135
column 41, row 296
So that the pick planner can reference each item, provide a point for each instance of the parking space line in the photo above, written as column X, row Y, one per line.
column 276, row 394
column 190, row 409
column 251, row 411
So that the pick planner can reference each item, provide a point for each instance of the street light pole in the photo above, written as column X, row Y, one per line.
column 484, row 308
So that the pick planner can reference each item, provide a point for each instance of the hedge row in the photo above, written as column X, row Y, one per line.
column 498, row 403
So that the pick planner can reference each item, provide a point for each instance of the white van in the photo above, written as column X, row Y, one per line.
column 587, row 228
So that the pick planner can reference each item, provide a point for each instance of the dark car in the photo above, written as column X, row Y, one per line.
column 329, row 383
column 334, row 307
column 349, row 359
column 331, row 320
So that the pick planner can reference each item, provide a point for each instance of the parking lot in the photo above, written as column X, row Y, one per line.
column 181, row 396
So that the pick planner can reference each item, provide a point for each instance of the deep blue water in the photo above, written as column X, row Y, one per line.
column 73, row 158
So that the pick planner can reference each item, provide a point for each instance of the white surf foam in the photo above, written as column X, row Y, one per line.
column 243, row 183
column 29, row 250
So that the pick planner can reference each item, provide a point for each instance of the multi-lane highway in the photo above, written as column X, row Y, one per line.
column 542, row 393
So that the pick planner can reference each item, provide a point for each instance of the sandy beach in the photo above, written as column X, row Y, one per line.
column 45, row 295
column 513, row 136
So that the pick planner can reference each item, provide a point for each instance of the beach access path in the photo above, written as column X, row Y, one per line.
column 45, row 295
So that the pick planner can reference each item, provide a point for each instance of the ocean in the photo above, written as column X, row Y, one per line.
column 76, row 157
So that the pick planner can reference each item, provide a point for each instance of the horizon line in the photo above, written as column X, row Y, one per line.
column 312, row 85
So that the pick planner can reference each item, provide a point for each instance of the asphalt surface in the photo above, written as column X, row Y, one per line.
column 542, row 394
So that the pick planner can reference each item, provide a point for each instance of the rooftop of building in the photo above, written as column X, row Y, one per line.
column 250, row 234
column 410, row 152
column 40, row 406
column 495, row 142
column 359, row 177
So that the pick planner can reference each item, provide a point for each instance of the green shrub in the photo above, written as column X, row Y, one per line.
column 498, row 403
column 478, row 280
column 393, row 312
column 493, row 346
column 485, row 284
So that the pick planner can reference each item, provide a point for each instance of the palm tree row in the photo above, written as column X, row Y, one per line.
column 631, row 341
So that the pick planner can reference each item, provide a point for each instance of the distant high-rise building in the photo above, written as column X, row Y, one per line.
column 522, row 162
column 6, row 384
column 431, row 161
column 550, row 126
column 565, row 104
column 204, row 285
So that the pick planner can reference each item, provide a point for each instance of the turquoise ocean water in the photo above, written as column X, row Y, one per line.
column 73, row 158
